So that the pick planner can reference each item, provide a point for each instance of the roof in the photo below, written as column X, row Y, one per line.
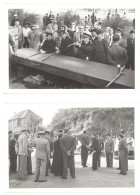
column 23, row 114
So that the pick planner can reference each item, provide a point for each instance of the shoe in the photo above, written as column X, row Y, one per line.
column 117, row 168
column 120, row 173
column 36, row 180
column 63, row 178
column 124, row 173
column 73, row 177
column 44, row 180
column 85, row 166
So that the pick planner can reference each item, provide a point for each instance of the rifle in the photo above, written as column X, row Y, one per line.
column 116, row 77
column 60, row 51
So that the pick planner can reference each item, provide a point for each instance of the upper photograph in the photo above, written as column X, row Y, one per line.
column 71, row 48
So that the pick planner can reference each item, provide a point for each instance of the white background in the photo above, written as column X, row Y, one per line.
column 65, row 98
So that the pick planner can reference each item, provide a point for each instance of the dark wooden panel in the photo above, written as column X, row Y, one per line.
column 88, row 72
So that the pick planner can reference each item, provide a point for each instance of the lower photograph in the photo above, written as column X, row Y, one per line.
column 70, row 147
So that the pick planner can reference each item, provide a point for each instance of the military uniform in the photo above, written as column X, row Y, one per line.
column 123, row 151
column 109, row 149
column 101, row 147
column 131, row 53
column 96, row 152
column 84, row 149
column 85, row 51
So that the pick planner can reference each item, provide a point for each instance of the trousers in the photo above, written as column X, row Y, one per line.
column 84, row 155
column 22, row 166
column 40, row 169
column 68, row 162
column 109, row 159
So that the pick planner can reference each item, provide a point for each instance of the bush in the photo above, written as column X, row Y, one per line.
column 119, row 22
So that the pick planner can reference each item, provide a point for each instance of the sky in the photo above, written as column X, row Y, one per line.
column 45, row 111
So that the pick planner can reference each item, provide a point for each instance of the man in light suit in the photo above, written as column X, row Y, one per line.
column 68, row 144
column 77, row 37
column 22, row 148
column 42, row 154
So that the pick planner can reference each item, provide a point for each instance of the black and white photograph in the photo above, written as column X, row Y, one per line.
column 55, row 147
column 71, row 48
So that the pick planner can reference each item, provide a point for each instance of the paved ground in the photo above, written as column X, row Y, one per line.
column 85, row 177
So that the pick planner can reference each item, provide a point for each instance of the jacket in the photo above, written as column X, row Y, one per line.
column 22, row 145
column 109, row 146
column 68, row 143
column 42, row 148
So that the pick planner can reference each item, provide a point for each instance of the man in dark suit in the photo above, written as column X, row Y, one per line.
column 86, row 47
column 96, row 152
column 109, row 149
column 68, row 144
column 42, row 154
column 84, row 148
column 101, row 147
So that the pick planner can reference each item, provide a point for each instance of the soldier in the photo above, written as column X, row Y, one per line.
column 22, row 145
column 68, row 144
column 86, row 47
column 101, row 147
column 42, row 154
column 96, row 151
column 109, row 149
column 123, row 151
column 84, row 148
column 12, row 154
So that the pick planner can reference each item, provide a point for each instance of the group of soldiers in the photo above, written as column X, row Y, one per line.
column 61, row 151
column 94, row 43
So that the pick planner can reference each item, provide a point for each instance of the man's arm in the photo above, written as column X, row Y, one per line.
column 48, row 148
column 62, row 146
column 73, row 145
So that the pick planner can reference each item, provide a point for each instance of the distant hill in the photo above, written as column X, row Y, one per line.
column 102, row 120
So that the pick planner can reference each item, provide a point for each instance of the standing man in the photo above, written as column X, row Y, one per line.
column 42, row 154
column 122, row 41
column 12, row 154
column 14, row 19
column 131, row 50
column 48, row 165
column 35, row 38
column 19, row 36
column 84, row 148
column 96, row 152
column 22, row 145
column 68, row 144
column 26, row 30
column 86, row 47
column 109, row 149
column 77, row 37
column 101, row 147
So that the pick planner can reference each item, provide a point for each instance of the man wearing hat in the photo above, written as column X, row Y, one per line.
column 109, row 149
column 84, row 148
column 65, row 41
column 96, row 151
column 50, row 25
column 86, row 47
column 14, row 19
column 101, row 52
column 22, row 144
column 77, row 37
column 46, row 21
column 131, row 50
column 101, row 147
column 49, row 44
column 35, row 38
column 93, row 34
column 123, row 151
column 122, row 41
column 68, row 145
column 47, row 136
column 26, row 30
column 42, row 154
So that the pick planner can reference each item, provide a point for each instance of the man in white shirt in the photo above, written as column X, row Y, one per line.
column 26, row 30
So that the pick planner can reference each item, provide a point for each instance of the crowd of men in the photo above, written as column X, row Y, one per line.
column 89, row 42
column 61, row 150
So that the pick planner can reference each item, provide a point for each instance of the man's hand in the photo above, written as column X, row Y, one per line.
column 78, row 44
column 68, row 153
column 15, row 53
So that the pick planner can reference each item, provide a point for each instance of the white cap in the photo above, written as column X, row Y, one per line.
column 15, row 14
